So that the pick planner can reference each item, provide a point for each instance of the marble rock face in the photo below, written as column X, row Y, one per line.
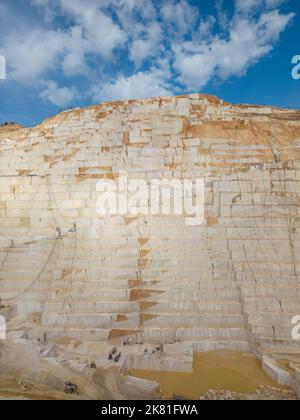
column 231, row 282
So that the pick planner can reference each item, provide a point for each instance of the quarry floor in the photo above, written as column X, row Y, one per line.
column 28, row 372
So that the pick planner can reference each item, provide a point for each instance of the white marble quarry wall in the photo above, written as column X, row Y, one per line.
column 231, row 283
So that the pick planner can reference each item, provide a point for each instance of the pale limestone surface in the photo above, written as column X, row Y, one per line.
column 232, row 283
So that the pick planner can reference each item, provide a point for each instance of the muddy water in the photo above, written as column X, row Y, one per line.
column 235, row 372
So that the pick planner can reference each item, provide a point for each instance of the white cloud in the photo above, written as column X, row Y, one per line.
column 41, row 3
column 256, row 5
column 148, row 47
column 47, row 6
column 248, row 41
column 130, row 13
column 181, row 16
column 137, row 86
column 58, row 96
column 34, row 52
column 101, row 32
column 74, row 62
column 31, row 55
column 274, row 3
column 205, row 28
column 246, row 6
column 150, row 50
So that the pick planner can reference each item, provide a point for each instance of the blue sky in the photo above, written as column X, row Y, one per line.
column 69, row 53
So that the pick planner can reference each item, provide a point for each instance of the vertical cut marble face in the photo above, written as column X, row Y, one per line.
column 152, row 276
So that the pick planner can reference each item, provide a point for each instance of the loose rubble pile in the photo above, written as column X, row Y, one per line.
column 262, row 394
